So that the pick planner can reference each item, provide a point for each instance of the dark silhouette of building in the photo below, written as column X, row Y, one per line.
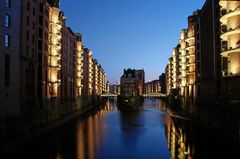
column 162, row 83
column 210, row 59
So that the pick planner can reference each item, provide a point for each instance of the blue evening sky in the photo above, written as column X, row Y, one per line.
column 130, row 33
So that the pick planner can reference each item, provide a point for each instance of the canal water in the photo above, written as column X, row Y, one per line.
column 154, row 133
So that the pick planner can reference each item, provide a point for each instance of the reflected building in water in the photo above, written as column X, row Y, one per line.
column 88, row 137
column 90, row 132
column 179, row 140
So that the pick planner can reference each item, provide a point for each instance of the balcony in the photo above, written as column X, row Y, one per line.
column 230, row 32
column 79, row 77
column 190, row 38
column 227, row 51
column 226, row 73
column 223, row 4
column 229, row 14
column 79, row 63
column 189, row 46
column 56, row 46
column 190, row 63
column 181, row 62
column 58, row 81
column 223, row 12
column 79, row 56
column 223, row 29
column 57, row 56
column 191, row 71
column 58, row 67
column 57, row 24
column 183, row 57
column 57, row 35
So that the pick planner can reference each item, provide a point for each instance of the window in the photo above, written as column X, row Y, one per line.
column 33, row 11
column 33, row 52
column 41, row 7
column 8, row 3
column 7, row 21
column 7, row 40
column 27, row 49
column 45, row 47
column 28, row 20
column 28, row 6
column 40, row 47
column 27, row 35
column 7, row 70
column 33, row 25
column 40, row 21
column 40, row 33
column 33, row 39
column 46, row 23
column 46, row 36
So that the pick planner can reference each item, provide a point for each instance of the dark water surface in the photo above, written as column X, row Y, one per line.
column 110, row 134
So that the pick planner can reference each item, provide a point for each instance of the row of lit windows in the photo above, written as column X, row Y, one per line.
column 7, row 40
column 7, row 24
column 8, row 3
column 7, row 44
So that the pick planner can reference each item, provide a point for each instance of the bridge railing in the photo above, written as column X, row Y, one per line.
column 154, row 95
column 109, row 95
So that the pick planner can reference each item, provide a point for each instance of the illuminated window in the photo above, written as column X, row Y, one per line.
column 7, row 21
column 8, row 3
column 7, row 40
column 28, row 6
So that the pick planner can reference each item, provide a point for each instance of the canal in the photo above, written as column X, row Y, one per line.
column 154, row 133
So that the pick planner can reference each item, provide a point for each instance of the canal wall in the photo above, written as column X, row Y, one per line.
column 20, row 129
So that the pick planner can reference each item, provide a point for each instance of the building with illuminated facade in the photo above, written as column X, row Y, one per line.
column 152, row 87
column 114, row 89
column 78, row 65
column 141, row 81
column 45, row 72
column 95, row 78
column 87, row 72
column 102, row 83
column 67, row 69
column 168, row 71
column 230, row 47
column 25, row 26
column 204, row 67
column 181, row 69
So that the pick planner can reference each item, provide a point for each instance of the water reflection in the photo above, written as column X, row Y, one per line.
column 91, row 130
column 179, row 139
column 109, row 133
column 113, row 134
column 190, row 140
